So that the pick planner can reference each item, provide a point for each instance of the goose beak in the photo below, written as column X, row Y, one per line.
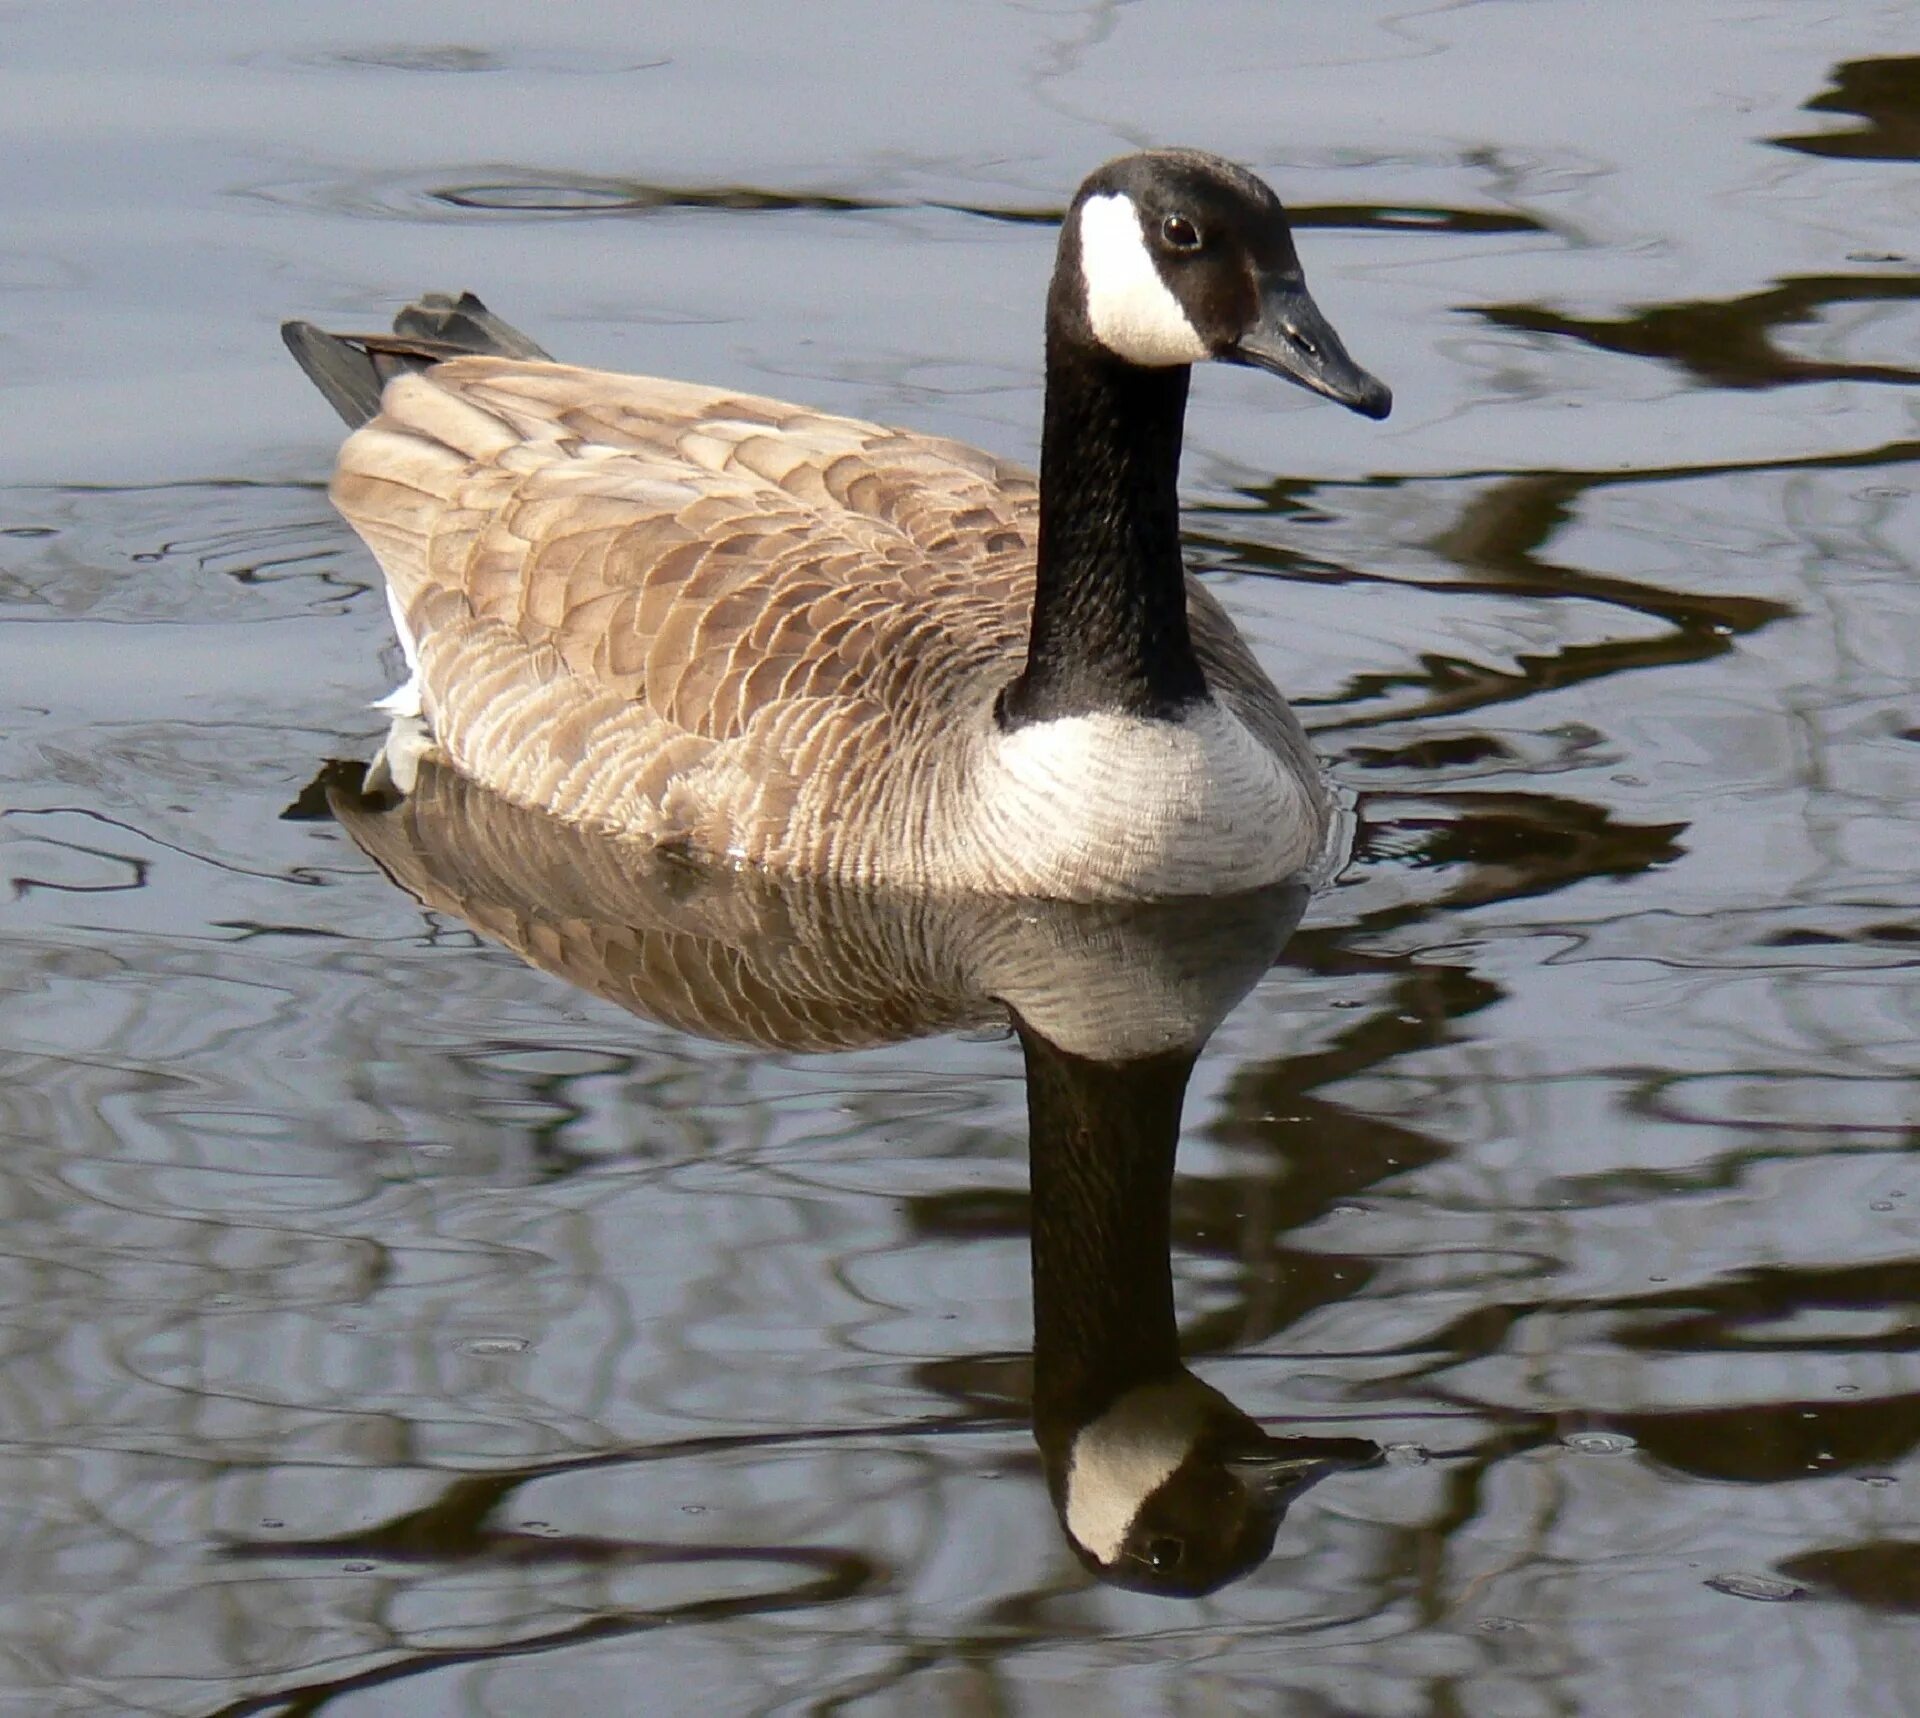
column 1289, row 1465
column 1292, row 339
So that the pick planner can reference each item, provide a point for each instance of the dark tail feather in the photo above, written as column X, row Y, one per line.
column 353, row 370
column 466, row 323
column 339, row 368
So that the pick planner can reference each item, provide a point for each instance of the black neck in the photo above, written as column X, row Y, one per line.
column 1103, row 1137
column 1110, row 600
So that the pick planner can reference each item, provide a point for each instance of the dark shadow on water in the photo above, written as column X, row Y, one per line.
column 506, row 192
column 1885, row 93
column 820, row 1578
column 513, row 192
column 1881, row 1574
column 1728, row 343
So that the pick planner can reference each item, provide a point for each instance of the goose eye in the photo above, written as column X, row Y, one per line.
column 1164, row 1553
column 1178, row 233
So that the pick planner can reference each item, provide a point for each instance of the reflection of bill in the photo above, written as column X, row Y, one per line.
column 1160, row 1482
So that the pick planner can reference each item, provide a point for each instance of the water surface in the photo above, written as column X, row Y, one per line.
column 391, row 1326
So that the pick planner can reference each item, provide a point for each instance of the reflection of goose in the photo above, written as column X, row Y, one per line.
column 1160, row 1481
column 830, row 649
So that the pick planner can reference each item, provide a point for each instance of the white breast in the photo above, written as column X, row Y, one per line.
column 1105, row 806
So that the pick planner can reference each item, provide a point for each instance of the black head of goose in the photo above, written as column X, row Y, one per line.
column 761, row 634
column 1166, row 260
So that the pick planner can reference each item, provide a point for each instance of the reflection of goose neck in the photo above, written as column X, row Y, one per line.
column 1103, row 1142
column 1161, row 1482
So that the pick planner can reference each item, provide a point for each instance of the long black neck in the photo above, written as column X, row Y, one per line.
column 1110, row 601
column 1103, row 1137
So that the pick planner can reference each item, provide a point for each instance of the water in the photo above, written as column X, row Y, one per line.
column 392, row 1326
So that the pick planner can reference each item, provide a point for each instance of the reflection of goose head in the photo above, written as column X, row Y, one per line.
column 1160, row 1482
column 1174, row 1490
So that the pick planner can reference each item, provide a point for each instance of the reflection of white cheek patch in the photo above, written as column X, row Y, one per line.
column 1129, row 308
column 1124, row 1457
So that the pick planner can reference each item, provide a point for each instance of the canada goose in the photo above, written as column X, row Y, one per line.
column 1159, row 1481
column 816, row 646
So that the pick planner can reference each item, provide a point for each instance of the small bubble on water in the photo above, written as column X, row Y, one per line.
column 1346, row 1002
column 1626, row 780
column 536, row 1526
column 1659, row 1279
column 1881, row 1205
column 1847, row 1389
column 1599, row 1443
column 271, row 1523
column 1346, row 1210
column 1879, row 1481
column 693, row 1509
column 1768, row 1589
column 493, row 1347
column 27, row 531
column 1407, row 1455
column 358, row 1568
column 1499, row 1625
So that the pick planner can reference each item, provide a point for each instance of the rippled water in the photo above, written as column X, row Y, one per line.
column 392, row 1326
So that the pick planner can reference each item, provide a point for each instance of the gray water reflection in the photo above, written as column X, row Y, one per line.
column 1571, row 1144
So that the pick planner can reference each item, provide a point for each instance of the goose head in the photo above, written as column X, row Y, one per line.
column 1172, row 257
column 1174, row 1490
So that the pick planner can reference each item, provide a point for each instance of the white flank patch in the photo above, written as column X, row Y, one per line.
column 1129, row 307
column 396, row 767
column 1123, row 1458
column 404, row 699
column 1105, row 806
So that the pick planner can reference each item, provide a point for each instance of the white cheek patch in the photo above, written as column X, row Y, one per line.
column 1123, row 1458
column 1129, row 308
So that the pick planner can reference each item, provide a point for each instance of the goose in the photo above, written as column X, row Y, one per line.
column 762, row 635
column 1159, row 1482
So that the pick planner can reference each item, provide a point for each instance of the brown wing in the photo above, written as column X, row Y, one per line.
column 701, row 551
column 671, row 608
